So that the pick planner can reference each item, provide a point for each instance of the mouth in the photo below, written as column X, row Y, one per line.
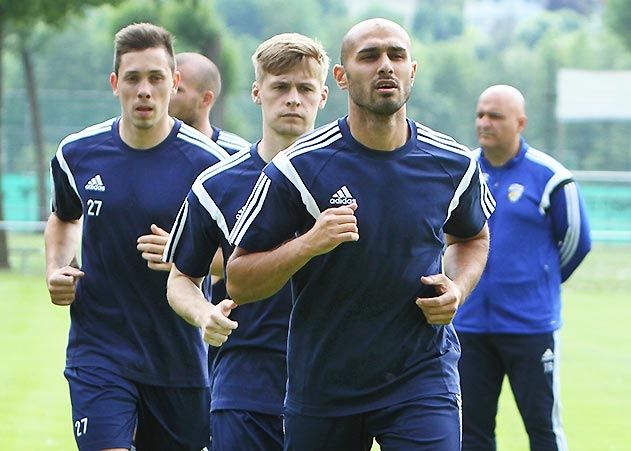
column 144, row 109
column 386, row 85
column 292, row 115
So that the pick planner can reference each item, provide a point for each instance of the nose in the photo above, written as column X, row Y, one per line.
column 293, row 99
column 385, row 65
column 144, row 89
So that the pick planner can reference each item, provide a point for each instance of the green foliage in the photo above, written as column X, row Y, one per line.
column 453, row 70
column 24, row 12
column 438, row 20
column 618, row 18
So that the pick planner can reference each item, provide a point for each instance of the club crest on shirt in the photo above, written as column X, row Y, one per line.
column 515, row 190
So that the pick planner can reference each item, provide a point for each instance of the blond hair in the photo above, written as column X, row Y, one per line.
column 282, row 52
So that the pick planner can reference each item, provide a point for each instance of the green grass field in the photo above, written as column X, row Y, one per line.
column 596, row 359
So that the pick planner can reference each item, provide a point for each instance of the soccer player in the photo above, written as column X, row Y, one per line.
column 199, row 88
column 250, row 371
column 510, row 324
column 131, row 363
column 357, row 214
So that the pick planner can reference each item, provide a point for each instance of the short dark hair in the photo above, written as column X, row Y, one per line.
column 142, row 36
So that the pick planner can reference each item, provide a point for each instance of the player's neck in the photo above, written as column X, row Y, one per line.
column 379, row 132
column 144, row 138
column 205, row 127
column 272, row 143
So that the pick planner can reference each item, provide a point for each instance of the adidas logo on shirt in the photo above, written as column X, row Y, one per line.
column 342, row 197
column 95, row 184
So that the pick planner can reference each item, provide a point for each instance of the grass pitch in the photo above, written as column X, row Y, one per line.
column 595, row 360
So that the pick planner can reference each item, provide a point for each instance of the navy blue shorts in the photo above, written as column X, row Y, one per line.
column 238, row 430
column 107, row 410
column 429, row 423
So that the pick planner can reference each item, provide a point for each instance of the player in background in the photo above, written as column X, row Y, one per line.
column 510, row 324
column 199, row 88
column 357, row 214
column 132, row 364
column 250, row 371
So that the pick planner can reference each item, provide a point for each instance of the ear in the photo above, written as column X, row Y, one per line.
column 208, row 98
column 522, row 121
column 176, row 81
column 256, row 98
column 339, row 74
column 414, row 66
column 114, row 83
column 324, row 95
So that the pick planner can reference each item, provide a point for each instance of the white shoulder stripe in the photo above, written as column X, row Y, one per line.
column 325, row 140
column 224, row 165
column 462, row 187
column 232, row 140
column 281, row 161
column 573, row 233
column 193, row 136
column 560, row 175
column 486, row 198
column 176, row 233
column 315, row 139
column 211, row 207
column 63, row 164
column 251, row 209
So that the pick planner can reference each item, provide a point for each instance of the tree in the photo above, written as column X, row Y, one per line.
column 618, row 18
column 438, row 20
column 24, row 14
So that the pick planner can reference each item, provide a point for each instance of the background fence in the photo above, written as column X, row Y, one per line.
column 607, row 195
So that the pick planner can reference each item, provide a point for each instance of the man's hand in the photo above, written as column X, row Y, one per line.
column 442, row 308
column 333, row 227
column 62, row 284
column 215, row 324
column 152, row 248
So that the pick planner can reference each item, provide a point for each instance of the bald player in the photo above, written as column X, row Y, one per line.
column 357, row 214
column 510, row 324
column 199, row 89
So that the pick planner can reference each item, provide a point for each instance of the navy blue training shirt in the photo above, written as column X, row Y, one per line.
column 357, row 340
column 120, row 318
column 249, row 371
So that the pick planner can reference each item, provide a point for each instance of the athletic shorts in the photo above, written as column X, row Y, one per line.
column 239, row 430
column 108, row 411
column 426, row 424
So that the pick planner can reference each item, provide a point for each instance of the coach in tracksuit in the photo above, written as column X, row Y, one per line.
column 510, row 324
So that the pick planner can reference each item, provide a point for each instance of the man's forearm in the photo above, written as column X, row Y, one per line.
column 465, row 260
column 258, row 275
column 185, row 297
column 61, row 242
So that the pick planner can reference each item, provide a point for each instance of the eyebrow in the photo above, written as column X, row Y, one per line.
column 151, row 72
column 373, row 49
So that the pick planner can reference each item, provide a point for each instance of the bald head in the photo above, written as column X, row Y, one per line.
column 500, row 119
column 199, row 71
column 362, row 31
column 508, row 96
